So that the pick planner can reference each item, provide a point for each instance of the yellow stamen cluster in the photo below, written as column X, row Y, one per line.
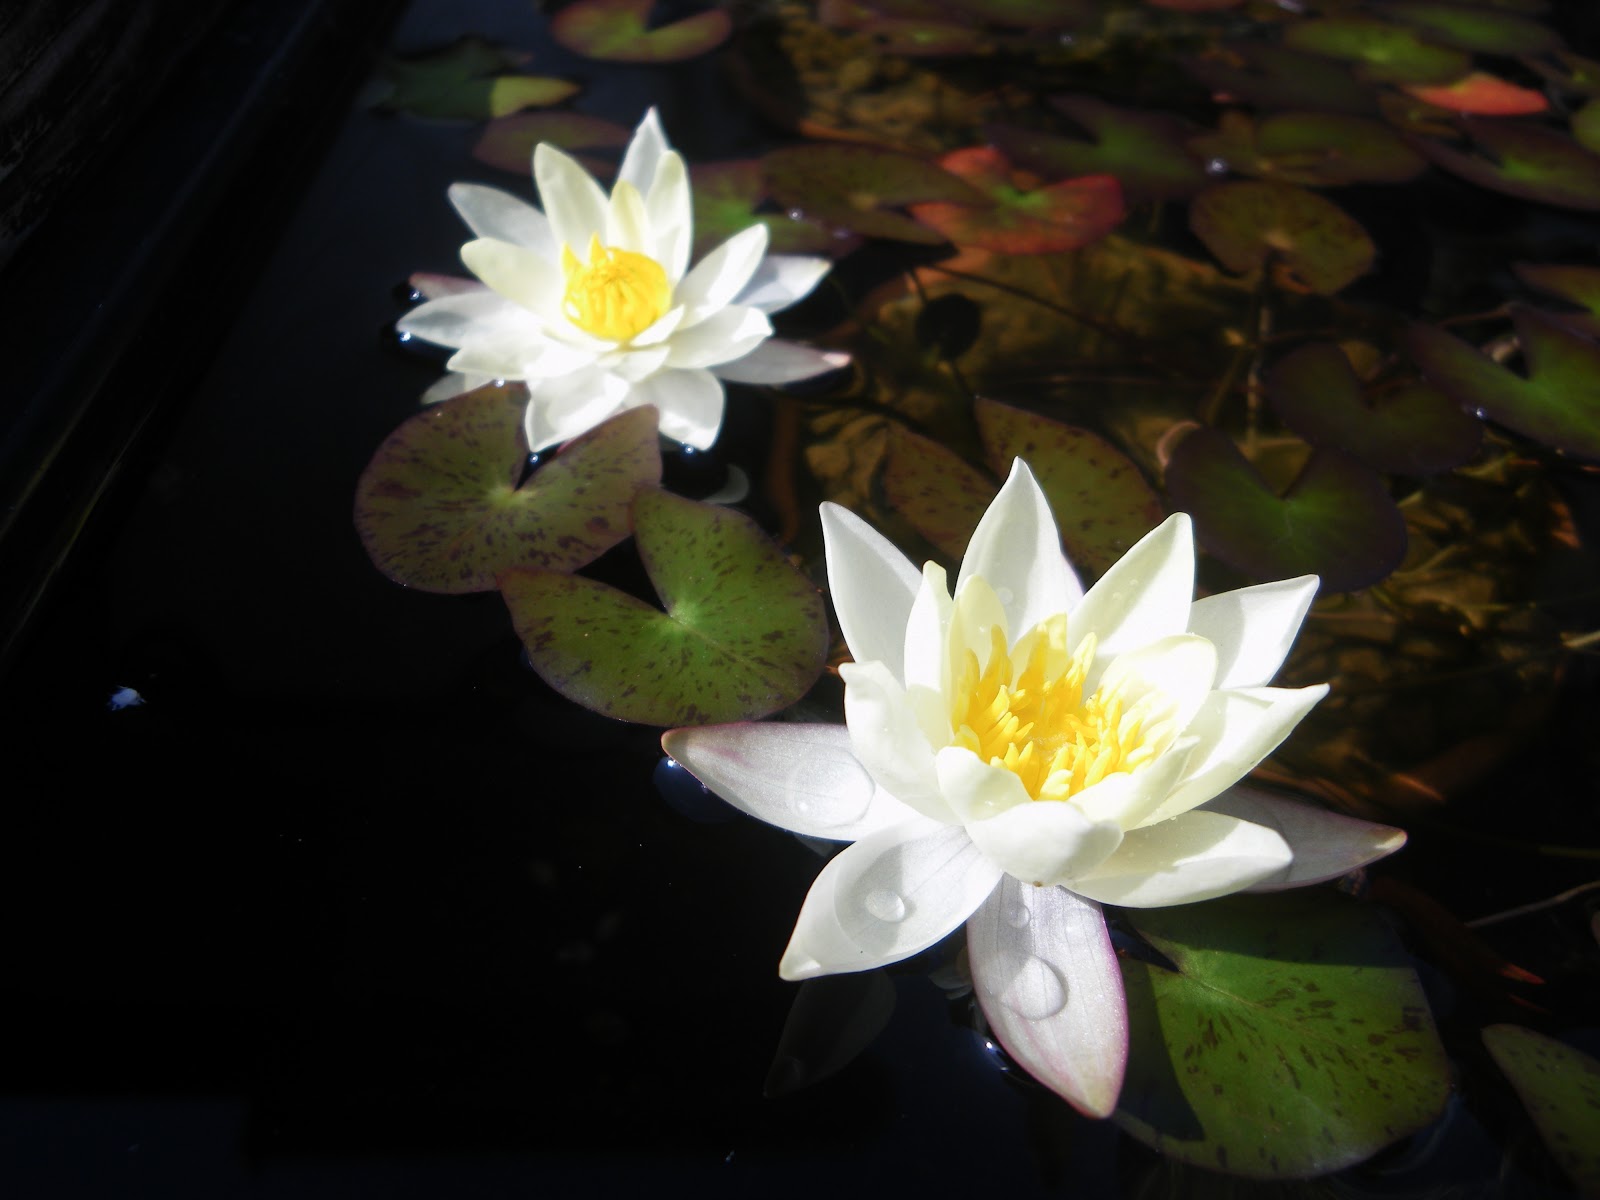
column 1025, row 711
column 616, row 294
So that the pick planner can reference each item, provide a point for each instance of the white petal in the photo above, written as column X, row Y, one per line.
column 663, row 328
column 1253, row 628
column 781, row 280
column 627, row 226
column 575, row 409
column 1237, row 729
column 459, row 319
column 976, row 790
column 1129, row 798
column 1017, row 549
column 721, row 275
column 926, row 652
column 517, row 273
column 1326, row 844
column 727, row 334
column 1144, row 596
column 574, row 202
column 644, row 152
column 1196, row 856
column 636, row 365
column 500, row 358
column 1177, row 669
column 775, row 361
column 1046, row 841
column 671, row 212
column 797, row 777
column 891, row 895
column 453, row 384
column 872, row 585
column 1047, row 977
column 888, row 740
column 690, row 401
column 491, row 213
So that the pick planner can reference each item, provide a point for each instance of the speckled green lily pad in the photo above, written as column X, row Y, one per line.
column 1384, row 51
column 1246, row 224
column 941, row 494
column 1523, row 160
column 466, row 81
column 509, row 142
column 744, row 632
column 1019, row 220
column 619, row 31
column 1560, row 1088
column 1313, row 148
column 727, row 198
column 857, row 188
column 1143, row 150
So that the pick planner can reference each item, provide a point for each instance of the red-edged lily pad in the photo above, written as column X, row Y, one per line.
column 1336, row 520
column 1558, row 403
column 465, row 81
column 1560, row 1088
column 1410, row 429
column 1144, row 151
column 1271, row 77
column 1528, row 161
column 1483, row 95
column 619, row 31
column 1248, row 224
column 1314, row 148
column 1042, row 220
column 1578, row 285
column 509, row 142
column 857, row 188
column 743, row 633
column 1383, row 51
column 728, row 197
column 1470, row 27
column 440, row 508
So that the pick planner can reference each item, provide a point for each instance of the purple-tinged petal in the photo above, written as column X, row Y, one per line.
column 1325, row 844
column 775, row 362
column 1193, row 857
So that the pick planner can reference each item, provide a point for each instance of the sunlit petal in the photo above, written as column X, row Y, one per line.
column 718, row 277
column 691, row 403
column 1144, row 596
column 724, row 335
column 517, row 273
column 574, row 202
column 643, row 155
column 776, row 362
column 1196, row 856
column 1253, row 627
column 887, row 738
column 491, row 213
column 872, row 585
column 782, row 280
column 1017, row 549
column 1326, row 844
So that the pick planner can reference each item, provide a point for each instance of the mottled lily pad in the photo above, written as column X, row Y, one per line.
column 728, row 197
column 1392, row 53
column 744, row 632
column 1271, row 77
column 1247, row 224
column 1560, row 1088
column 465, row 81
column 1336, row 520
column 1481, row 94
column 1018, row 220
column 934, row 488
column 1313, row 148
column 1528, row 161
column 1291, row 1037
column 857, row 187
column 1468, row 27
column 1558, row 403
column 1144, row 151
column 619, row 31
column 509, row 142
column 440, row 507
column 1577, row 285
column 1408, row 429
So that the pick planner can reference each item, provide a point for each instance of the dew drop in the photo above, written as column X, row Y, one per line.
column 1036, row 991
column 803, row 806
column 1216, row 166
column 1005, row 595
column 887, row 905
column 1018, row 916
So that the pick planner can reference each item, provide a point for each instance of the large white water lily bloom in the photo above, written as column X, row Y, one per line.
column 592, row 303
column 1023, row 752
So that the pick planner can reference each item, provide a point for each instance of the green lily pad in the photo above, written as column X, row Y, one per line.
column 439, row 507
column 1044, row 220
column 1528, row 161
column 1313, row 148
column 934, row 488
column 727, row 197
column 1560, row 1088
column 923, row 39
column 1247, row 224
column 1336, row 520
column 1481, row 94
column 508, row 143
column 1412, row 429
column 856, row 187
column 1585, row 125
column 1474, row 28
column 744, row 632
column 1385, row 52
column 619, row 31
column 1271, row 77
column 1577, row 285
column 1558, row 403
column 464, row 82
column 1569, row 72
column 1291, row 1039
column 1144, row 151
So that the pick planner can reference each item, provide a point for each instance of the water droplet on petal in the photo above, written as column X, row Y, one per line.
column 1004, row 595
column 1036, row 991
column 1018, row 916
column 886, row 905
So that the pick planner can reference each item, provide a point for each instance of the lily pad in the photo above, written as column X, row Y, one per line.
column 727, row 198
column 856, row 187
column 1569, row 72
column 1528, row 161
column 1292, row 1037
column 923, row 39
column 464, row 82
column 1314, row 148
column 934, row 488
column 1247, row 224
column 1585, row 125
column 1271, row 77
column 1468, row 27
column 1194, row 5
column 1577, row 285
column 1336, row 520
column 509, row 142
column 1558, row 403
column 619, row 31
column 440, row 507
column 1044, row 220
column 1032, row 14
column 1385, row 52
column 1411, row 429
column 1560, row 1088
column 744, row 632
column 1481, row 94
column 1144, row 151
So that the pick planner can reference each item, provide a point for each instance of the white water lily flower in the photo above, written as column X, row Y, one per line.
column 1023, row 752
column 592, row 303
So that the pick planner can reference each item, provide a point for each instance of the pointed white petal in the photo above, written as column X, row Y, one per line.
column 781, row 280
column 926, row 652
column 576, row 408
column 491, row 213
column 1017, row 549
column 627, row 226
column 637, row 365
column 1046, row 841
column 671, row 212
column 1326, row 844
column 1047, row 977
column 1253, row 628
column 1176, row 671
column 691, row 403
column 1144, row 596
column 797, row 777
column 1196, row 856
column 1129, row 798
column 453, row 384
column 775, row 362
column 643, row 154
column 573, row 201
column 888, row 740
column 976, row 790
column 872, row 585
column 517, row 273
column 727, row 334
column 464, row 317
column 891, row 895
column 721, row 275
column 665, row 326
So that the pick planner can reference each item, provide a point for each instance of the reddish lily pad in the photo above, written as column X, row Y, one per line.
column 744, row 632
column 934, row 488
column 1412, row 429
column 464, row 82
column 1528, row 161
column 1474, row 28
column 1247, row 224
column 1144, row 151
column 509, row 142
column 1481, row 94
column 1313, row 148
column 856, row 187
column 1271, row 77
column 727, row 197
column 1045, row 220
column 1560, row 1088
column 1290, row 1037
column 1558, row 403
column 619, row 31
column 1336, row 520
column 439, row 507
column 1384, row 51
column 1578, row 285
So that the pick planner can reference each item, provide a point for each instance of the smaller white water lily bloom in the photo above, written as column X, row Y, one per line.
column 1022, row 752
column 592, row 304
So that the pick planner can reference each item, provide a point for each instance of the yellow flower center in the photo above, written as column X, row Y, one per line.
column 1025, row 711
column 616, row 294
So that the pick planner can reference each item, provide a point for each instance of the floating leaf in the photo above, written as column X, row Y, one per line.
column 854, row 187
column 744, row 633
column 726, row 199
column 1585, row 125
column 1523, row 160
column 508, row 143
column 1291, row 1039
column 1145, row 151
column 1557, row 404
column 439, row 507
column 1469, row 28
column 618, row 31
column 1408, row 430
column 1045, row 220
column 1579, row 285
column 462, row 82
column 1102, row 504
column 1246, row 224
column 1482, row 94
column 1570, row 72
column 1270, row 76
column 938, row 491
column 1560, row 1088
column 923, row 39
column 1384, row 51
column 1336, row 520
column 1319, row 149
